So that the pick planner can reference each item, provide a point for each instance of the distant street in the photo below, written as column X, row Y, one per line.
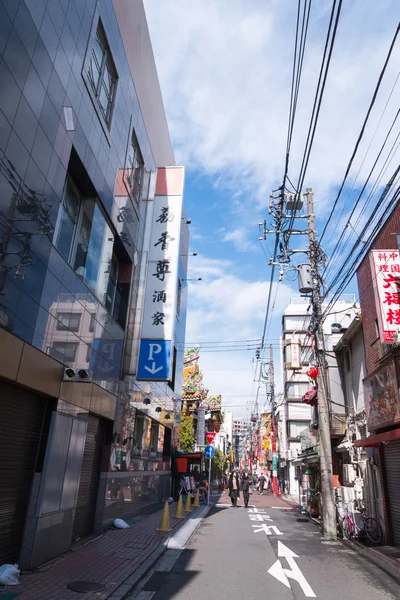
column 263, row 553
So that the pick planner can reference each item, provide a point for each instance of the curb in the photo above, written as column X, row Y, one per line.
column 130, row 583
column 179, row 540
column 385, row 563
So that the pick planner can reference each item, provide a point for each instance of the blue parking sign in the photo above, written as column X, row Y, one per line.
column 154, row 360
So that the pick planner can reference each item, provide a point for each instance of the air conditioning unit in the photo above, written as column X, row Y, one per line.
column 349, row 473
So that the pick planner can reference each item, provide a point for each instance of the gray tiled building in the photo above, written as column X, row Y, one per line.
column 82, row 134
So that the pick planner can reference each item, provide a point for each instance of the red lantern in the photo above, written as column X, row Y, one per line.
column 313, row 372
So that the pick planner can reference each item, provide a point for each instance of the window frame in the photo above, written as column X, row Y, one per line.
column 62, row 327
column 134, row 147
column 70, row 344
column 105, row 117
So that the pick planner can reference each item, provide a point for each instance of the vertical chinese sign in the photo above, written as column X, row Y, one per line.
column 385, row 265
column 162, row 277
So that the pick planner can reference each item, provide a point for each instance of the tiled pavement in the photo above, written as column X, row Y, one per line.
column 109, row 560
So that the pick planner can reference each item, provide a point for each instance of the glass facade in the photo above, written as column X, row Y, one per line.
column 67, row 245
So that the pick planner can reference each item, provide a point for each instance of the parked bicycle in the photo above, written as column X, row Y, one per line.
column 314, row 507
column 370, row 529
column 184, row 488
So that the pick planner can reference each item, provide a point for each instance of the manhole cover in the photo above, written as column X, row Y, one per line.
column 85, row 586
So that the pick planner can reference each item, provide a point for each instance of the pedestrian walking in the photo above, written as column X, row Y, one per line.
column 234, row 488
column 255, row 481
column 246, row 488
column 261, row 483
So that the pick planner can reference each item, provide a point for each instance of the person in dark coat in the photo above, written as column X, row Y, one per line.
column 261, row 482
column 246, row 488
column 234, row 488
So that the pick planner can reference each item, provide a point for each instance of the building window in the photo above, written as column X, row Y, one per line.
column 102, row 74
column 306, row 353
column 67, row 219
column 68, row 321
column 178, row 301
column 296, row 389
column 84, row 238
column 296, row 427
column 92, row 322
column 64, row 351
column 134, row 168
column 88, row 353
column 293, row 323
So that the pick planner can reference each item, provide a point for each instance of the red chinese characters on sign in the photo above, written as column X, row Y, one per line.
column 385, row 265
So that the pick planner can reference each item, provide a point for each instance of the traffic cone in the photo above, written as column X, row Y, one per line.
column 179, row 509
column 164, row 525
column 188, row 504
column 196, row 502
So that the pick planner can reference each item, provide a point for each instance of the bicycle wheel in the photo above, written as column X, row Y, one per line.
column 373, row 530
column 346, row 529
column 202, row 494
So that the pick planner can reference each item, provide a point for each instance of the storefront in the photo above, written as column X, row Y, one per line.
column 383, row 420
column 23, row 424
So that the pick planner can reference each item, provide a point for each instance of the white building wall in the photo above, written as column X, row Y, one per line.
column 297, row 317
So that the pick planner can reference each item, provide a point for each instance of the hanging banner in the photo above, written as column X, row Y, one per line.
column 385, row 266
column 162, row 287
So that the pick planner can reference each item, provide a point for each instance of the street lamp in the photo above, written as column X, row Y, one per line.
column 197, row 279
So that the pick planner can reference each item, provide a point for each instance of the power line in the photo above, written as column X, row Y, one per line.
column 363, row 188
column 361, row 134
column 323, row 73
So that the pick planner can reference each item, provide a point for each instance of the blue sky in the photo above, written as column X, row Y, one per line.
column 225, row 75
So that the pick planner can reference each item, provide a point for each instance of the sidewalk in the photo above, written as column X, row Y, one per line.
column 108, row 560
column 267, row 500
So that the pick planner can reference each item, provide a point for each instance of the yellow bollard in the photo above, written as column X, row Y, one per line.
column 179, row 509
column 164, row 525
column 188, row 504
column 196, row 502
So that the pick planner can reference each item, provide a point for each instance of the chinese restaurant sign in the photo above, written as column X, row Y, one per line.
column 162, row 275
column 385, row 265
column 383, row 404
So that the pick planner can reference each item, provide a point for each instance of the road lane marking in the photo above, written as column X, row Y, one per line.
column 266, row 528
column 283, row 575
column 260, row 518
column 283, row 507
column 256, row 510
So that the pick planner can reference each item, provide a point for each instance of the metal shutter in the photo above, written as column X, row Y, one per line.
column 89, row 479
column 21, row 422
column 392, row 468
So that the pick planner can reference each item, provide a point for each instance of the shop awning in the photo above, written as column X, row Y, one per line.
column 374, row 440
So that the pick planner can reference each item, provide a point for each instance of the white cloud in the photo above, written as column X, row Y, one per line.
column 225, row 75
column 229, row 309
column 239, row 238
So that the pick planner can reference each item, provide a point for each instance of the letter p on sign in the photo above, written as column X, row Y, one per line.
column 154, row 349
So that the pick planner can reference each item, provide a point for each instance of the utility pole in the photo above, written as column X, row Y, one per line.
column 325, row 450
column 275, row 456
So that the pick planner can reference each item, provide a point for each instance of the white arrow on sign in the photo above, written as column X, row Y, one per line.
column 153, row 369
column 283, row 575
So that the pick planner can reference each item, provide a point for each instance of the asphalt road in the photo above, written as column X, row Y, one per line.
column 230, row 555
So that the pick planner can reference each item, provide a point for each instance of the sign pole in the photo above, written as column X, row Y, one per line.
column 209, row 482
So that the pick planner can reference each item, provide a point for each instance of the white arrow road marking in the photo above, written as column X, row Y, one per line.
column 278, row 572
column 153, row 369
column 260, row 518
column 266, row 528
column 293, row 573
